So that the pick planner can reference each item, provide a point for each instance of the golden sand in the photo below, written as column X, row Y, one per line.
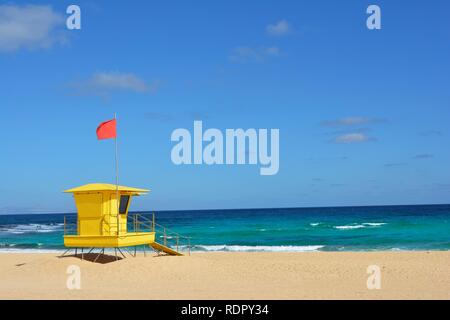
column 308, row 275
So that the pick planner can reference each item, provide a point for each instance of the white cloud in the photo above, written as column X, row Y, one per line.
column 29, row 26
column 125, row 81
column 423, row 156
column 351, row 121
column 278, row 29
column 249, row 54
column 351, row 138
column 105, row 83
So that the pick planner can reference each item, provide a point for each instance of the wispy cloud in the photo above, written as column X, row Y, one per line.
column 196, row 115
column 423, row 156
column 280, row 28
column 105, row 83
column 157, row 116
column 394, row 164
column 349, row 130
column 351, row 121
column 430, row 133
column 337, row 185
column 30, row 27
column 165, row 117
column 244, row 54
column 355, row 137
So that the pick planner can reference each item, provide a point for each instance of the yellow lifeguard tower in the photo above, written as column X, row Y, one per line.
column 103, row 222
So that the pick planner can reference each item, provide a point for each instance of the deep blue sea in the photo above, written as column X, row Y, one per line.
column 293, row 229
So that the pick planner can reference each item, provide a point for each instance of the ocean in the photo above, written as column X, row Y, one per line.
column 375, row 228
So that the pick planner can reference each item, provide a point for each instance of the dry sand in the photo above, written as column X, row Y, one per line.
column 315, row 275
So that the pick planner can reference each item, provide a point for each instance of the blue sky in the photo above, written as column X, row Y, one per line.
column 363, row 114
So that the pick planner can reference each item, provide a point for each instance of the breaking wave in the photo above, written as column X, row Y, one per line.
column 359, row 226
column 31, row 228
column 237, row 248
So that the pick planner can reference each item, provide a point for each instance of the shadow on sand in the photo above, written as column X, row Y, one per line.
column 101, row 258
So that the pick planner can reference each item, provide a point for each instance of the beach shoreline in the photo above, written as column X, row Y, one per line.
column 225, row 275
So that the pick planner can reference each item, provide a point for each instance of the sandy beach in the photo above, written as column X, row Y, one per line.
column 314, row 275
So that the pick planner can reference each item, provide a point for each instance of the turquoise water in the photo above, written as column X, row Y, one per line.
column 294, row 229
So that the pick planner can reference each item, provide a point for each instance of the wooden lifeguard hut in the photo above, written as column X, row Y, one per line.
column 103, row 221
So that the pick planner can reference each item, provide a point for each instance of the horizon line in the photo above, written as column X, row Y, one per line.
column 260, row 208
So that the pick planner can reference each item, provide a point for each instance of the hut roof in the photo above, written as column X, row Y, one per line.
column 93, row 187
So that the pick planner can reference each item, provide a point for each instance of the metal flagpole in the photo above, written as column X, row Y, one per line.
column 117, row 179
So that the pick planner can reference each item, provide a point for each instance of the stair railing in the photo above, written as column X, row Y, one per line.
column 171, row 239
column 70, row 226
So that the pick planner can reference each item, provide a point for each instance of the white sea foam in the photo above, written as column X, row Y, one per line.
column 359, row 226
column 196, row 248
column 237, row 248
column 12, row 250
column 31, row 228
column 314, row 224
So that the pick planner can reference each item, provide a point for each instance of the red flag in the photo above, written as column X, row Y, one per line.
column 107, row 130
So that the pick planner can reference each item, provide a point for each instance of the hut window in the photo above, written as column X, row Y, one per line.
column 123, row 204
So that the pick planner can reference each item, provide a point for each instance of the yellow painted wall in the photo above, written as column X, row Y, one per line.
column 110, row 218
column 97, row 214
column 90, row 210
